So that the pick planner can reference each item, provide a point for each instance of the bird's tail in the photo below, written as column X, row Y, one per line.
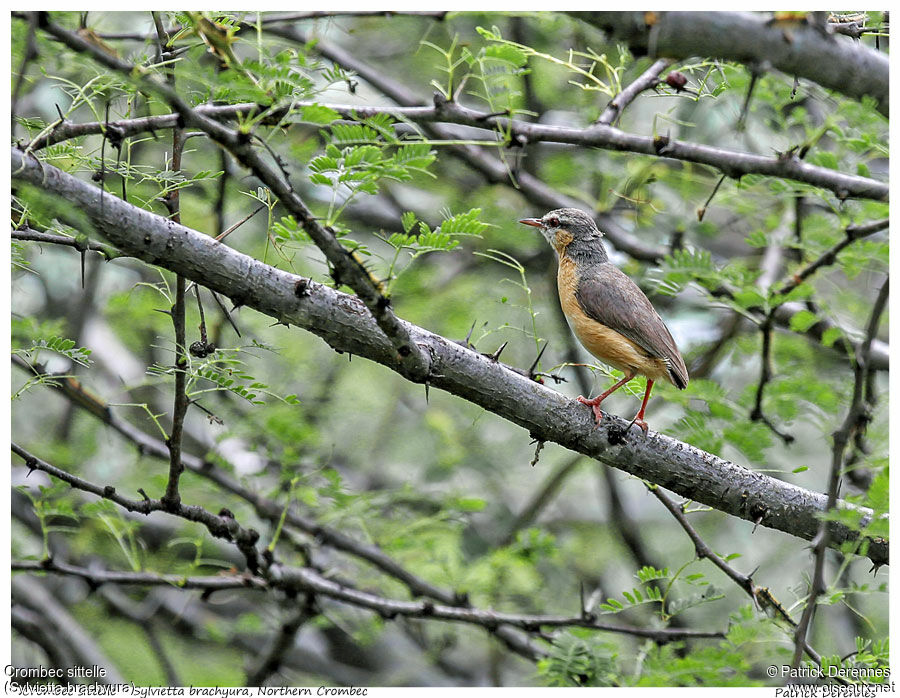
column 678, row 372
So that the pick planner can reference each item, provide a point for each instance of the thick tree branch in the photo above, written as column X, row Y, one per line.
column 344, row 323
column 807, row 52
column 495, row 171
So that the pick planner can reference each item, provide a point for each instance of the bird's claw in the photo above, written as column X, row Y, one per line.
column 641, row 423
column 594, row 404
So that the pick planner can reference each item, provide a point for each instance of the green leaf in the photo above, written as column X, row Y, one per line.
column 749, row 298
column 648, row 574
column 469, row 504
column 825, row 158
column 757, row 238
column 324, row 163
column 59, row 345
column 803, row 320
column 709, row 594
column 508, row 53
column 464, row 224
column 352, row 134
column 831, row 335
column 408, row 220
column 416, row 156
column 318, row 114
column 578, row 661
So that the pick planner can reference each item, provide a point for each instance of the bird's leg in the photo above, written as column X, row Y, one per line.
column 594, row 403
column 639, row 417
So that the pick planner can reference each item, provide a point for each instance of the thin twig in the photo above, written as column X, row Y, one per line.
column 648, row 79
column 98, row 576
column 761, row 596
column 221, row 236
column 267, row 19
column 271, row 658
column 851, row 235
column 29, row 54
column 305, row 579
column 30, row 235
column 770, row 266
column 701, row 212
column 765, row 375
column 732, row 163
column 540, row 499
column 221, row 526
column 181, row 402
column 856, row 419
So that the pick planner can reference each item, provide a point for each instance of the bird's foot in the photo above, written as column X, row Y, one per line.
column 594, row 404
column 641, row 423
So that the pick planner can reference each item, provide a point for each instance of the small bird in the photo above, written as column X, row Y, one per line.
column 609, row 313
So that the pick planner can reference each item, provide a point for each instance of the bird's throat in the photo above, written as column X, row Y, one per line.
column 561, row 241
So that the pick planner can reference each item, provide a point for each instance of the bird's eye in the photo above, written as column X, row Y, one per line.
column 553, row 222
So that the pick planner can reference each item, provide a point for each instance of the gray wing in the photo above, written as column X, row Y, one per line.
column 610, row 297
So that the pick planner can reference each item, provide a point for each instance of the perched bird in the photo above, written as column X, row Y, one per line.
column 609, row 313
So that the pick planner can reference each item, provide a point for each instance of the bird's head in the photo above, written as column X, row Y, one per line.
column 567, row 226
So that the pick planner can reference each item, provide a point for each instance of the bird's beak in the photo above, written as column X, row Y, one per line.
column 534, row 222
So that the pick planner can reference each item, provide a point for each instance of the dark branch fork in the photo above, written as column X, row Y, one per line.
column 647, row 80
